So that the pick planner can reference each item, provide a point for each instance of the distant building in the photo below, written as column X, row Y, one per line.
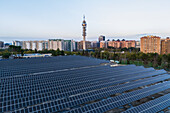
column 74, row 45
column 101, row 38
column 38, row 45
column 88, row 45
column 34, row 45
column 137, row 44
column 80, row 45
column 95, row 44
column 130, row 43
column 103, row 44
column 67, row 45
column 54, row 44
column 42, row 45
column 6, row 45
column 1, row 44
column 17, row 43
column 165, row 46
column 150, row 44
column 122, row 44
column 110, row 44
column 27, row 44
column 115, row 44
column 51, row 44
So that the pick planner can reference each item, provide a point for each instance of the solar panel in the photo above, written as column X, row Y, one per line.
column 152, row 106
column 33, row 66
column 124, row 99
column 97, row 94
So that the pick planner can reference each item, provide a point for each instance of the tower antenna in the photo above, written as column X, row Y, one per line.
column 84, row 17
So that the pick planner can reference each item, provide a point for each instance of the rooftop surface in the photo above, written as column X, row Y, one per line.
column 75, row 84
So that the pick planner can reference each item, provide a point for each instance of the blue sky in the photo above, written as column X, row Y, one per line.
column 43, row 19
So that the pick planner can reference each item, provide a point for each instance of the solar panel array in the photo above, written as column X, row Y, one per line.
column 78, row 84
column 152, row 106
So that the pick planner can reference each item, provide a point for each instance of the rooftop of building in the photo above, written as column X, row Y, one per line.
column 151, row 36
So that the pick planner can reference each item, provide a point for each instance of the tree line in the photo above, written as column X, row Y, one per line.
column 123, row 55
column 148, row 60
column 13, row 50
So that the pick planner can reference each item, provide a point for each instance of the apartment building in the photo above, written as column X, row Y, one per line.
column 150, row 44
column 80, row 45
column 165, row 46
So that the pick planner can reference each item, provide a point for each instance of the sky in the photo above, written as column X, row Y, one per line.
column 45, row 19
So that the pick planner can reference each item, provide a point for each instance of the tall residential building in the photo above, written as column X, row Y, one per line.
column 101, row 38
column 84, row 24
column 34, row 45
column 28, row 45
column 1, row 44
column 38, row 45
column 150, row 44
column 41, row 45
column 67, row 45
column 80, row 45
column 95, row 44
column 74, row 45
column 165, row 46
column 56, row 44
column 88, row 45
column 17, row 43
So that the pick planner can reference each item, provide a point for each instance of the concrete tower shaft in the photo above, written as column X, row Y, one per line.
column 84, row 24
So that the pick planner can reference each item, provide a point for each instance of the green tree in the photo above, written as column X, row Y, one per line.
column 6, row 54
column 62, row 52
column 53, row 53
column 86, row 53
column 22, row 52
column 58, row 52
column 36, row 51
column 83, row 53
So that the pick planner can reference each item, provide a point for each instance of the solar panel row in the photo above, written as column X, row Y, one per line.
column 59, row 59
column 37, row 86
column 152, row 106
column 8, row 70
column 112, row 102
column 66, row 74
column 48, row 93
column 68, row 82
column 79, row 99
